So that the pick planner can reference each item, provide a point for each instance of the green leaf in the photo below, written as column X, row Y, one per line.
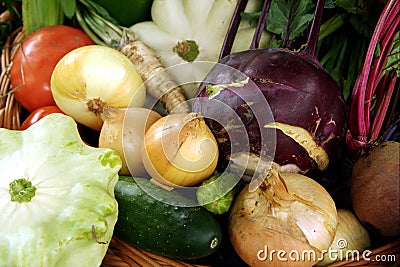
column 251, row 17
column 99, row 10
column 300, row 26
column 361, row 26
column 329, row 4
column 293, row 15
column 69, row 7
column 275, row 43
column 393, row 60
column 277, row 18
column 352, row 6
column 365, row 11
column 98, row 24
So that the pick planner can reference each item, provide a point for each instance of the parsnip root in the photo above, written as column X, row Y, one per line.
column 158, row 82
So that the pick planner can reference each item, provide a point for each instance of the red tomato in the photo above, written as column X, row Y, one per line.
column 35, row 60
column 39, row 113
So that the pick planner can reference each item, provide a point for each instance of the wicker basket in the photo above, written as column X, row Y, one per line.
column 121, row 254
column 9, row 108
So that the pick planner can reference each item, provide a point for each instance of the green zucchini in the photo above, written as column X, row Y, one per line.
column 173, row 231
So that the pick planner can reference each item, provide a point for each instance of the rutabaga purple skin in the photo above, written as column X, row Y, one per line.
column 299, row 93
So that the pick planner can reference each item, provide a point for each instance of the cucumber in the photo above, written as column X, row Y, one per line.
column 180, row 232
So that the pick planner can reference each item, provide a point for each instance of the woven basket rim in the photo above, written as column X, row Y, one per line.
column 9, row 108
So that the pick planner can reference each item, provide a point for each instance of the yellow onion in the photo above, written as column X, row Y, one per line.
column 180, row 150
column 351, row 239
column 289, row 220
column 90, row 78
column 123, row 131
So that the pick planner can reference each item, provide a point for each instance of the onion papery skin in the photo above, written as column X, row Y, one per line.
column 350, row 236
column 300, row 93
column 94, row 77
column 123, row 131
column 180, row 150
column 288, row 212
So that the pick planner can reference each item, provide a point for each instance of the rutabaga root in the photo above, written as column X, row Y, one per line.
column 157, row 80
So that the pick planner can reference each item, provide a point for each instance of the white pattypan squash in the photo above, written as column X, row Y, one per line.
column 192, row 32
column 57, row 201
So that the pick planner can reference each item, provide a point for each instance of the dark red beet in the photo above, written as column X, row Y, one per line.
column 299, row 93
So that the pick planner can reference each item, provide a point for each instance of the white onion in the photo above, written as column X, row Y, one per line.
column 90, row 78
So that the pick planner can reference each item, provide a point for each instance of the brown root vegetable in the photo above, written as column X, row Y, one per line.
column 158, row 82
column 375, row 188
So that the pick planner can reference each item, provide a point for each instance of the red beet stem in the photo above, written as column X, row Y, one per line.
column 369, row 82
column 382, row 107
